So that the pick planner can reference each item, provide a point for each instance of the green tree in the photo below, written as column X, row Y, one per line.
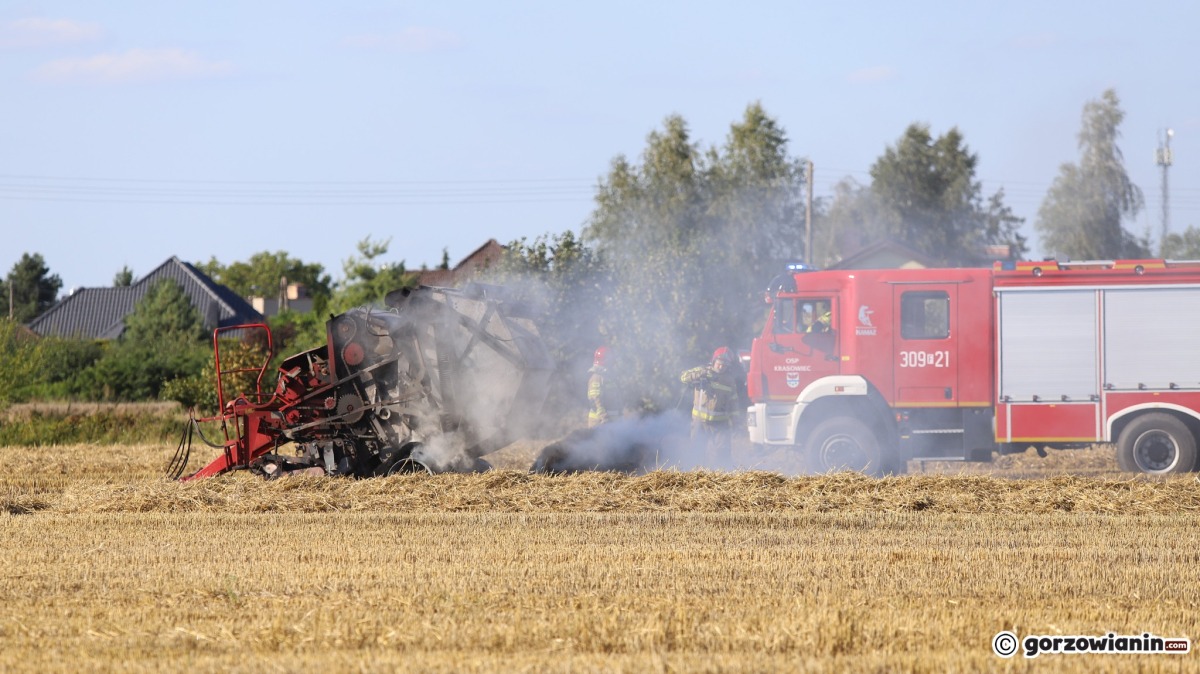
column 566, row 278
column 165, row 338
column 924, row 193
column 648, row 225
column 756, row 190
column 689, row 237
column 61, row 362
column 855, row 219
column 1182, row 246
column 123, row 278
column 368, row 278
column 30, row 288
column 1082, row 213
column 260, row 275
column 240, row 359
column 165, row 314
column 295, row 331
column 20, row 360
column 567, row 281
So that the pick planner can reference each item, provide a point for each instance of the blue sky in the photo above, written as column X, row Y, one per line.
column 133, row 131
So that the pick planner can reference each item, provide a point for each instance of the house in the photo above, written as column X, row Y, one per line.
column 292, row 297
column 99, row 313
column 467, row 269
column 885, row 254
column 891, row 254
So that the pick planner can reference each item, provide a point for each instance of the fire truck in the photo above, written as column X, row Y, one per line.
column 868, row 369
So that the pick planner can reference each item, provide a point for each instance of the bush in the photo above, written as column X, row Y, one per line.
column 115, row 426
column 20, row 360
column 134, row 371
column 61, row 362
column 199, row 391
column 196, row 392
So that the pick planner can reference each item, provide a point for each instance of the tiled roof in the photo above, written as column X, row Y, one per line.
column 441, row 278
column 88, row 313
column 865, row 257
column 99, row 313
column 468, row 268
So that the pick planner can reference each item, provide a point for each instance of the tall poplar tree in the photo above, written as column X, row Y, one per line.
column 691, row 237
column 1081, row 215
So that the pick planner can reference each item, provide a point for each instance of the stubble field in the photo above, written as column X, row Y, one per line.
column 110, row 567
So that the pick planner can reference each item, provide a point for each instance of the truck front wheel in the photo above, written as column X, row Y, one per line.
column 845, row 443
column 1157, row 444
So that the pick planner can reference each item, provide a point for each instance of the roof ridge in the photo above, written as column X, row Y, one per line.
column 475, row 252
column 144, row 280
column 199, row 277
column 204, row 280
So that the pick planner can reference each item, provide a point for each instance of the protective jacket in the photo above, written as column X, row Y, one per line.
column 822, row 324
column 715, row 394
column 604, row 396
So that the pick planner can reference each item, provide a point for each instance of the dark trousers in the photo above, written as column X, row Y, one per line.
column 711, row 441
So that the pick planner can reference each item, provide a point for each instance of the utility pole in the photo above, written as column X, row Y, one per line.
column 1162, row 157
column 282, row 304
column 808, row 237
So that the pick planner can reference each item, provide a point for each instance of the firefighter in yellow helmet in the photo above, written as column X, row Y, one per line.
column 603, row 392
column 713, row 405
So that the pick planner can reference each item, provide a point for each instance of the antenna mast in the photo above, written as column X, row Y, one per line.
column 1163, row 157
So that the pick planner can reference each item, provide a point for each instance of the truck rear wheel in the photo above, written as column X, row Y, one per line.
column 845, row 443
column 1157, row 444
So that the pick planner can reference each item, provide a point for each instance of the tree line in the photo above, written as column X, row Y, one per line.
column 674, row 259
column 670, row 264
column 165, row 351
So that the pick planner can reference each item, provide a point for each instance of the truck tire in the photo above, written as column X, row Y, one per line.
column 845, row 443
column 1156, row 444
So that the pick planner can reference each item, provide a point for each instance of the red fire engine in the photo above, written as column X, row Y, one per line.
column 866, row 369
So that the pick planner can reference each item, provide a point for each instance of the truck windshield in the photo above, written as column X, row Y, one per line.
column 802, row 315
column 815, row 315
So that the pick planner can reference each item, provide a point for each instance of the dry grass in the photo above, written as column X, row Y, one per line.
column 109, row 567
column 658, row 492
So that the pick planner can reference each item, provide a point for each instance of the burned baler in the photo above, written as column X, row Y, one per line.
column 433, row 383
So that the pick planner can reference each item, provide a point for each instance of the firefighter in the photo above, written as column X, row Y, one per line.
column 713, row 404
column 603, row 392
column 824, row 319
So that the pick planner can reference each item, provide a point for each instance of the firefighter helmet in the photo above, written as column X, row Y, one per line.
column 723, row 354
column 601, row 357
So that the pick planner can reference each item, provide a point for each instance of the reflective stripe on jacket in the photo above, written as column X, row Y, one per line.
column 715, row 394
column 604, row 398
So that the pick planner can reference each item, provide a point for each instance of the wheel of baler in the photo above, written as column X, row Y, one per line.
column 400, row 461
column 404, row 466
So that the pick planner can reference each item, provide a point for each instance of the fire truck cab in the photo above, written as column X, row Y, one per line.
column 867, row 369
